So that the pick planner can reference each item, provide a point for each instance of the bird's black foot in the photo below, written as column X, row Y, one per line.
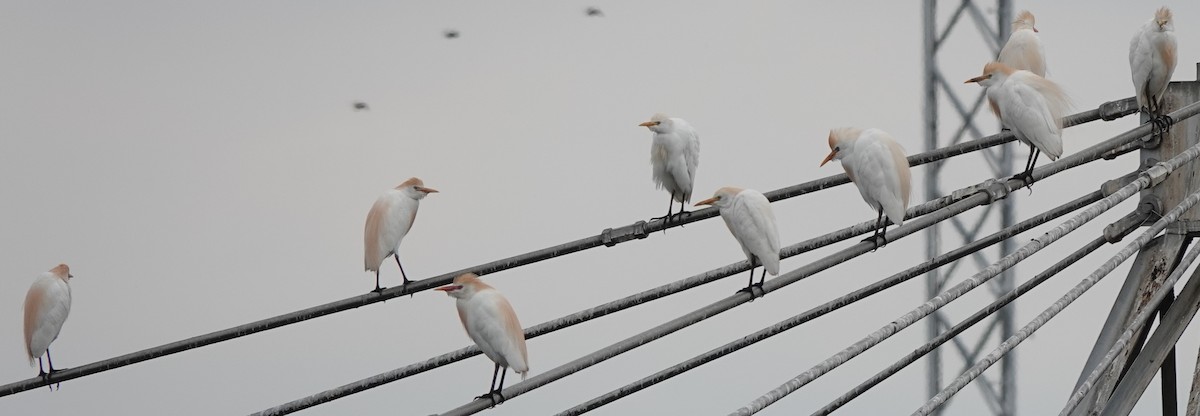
column 1162, row 124
column 755, row 290
column 875, row 241
column 378, row 289
column 666, row 219
column 492, row 395
column 1026, row 177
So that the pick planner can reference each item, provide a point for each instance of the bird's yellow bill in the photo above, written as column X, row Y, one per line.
column 706, row 201
column 647, row 124
column 977, row 79
column 831, row 155
column 426, row 190
column 449, row 288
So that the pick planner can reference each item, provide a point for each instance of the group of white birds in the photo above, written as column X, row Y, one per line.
column 1028, row 104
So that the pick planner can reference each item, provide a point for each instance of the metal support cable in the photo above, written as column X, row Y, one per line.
column 833, row 305
column 1078, row 158
column 1168, row 286
column 613, row 306
column 722, row 305
column 608, row 237
column 962, row 326
column 1107, row 111
column 1070, row 296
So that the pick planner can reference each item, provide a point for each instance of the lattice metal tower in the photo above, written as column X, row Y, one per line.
column 999, row 394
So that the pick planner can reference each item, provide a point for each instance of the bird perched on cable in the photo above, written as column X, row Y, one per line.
column 1030, row 106
column 674, row 156
column 1152, row 62
column 876, row 164
column 388, row 222
column 1023, row 50
column 491, row 322
column 751, row 220
column 47, row 305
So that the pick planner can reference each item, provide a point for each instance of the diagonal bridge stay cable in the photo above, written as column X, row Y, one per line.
column 1153, row 175
column 833, row 305
column 609, row 237
column 994, row 191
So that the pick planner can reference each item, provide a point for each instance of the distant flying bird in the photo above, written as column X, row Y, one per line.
column 1023, row 50
column 877, row 166
column 360, row 106
column 450, row 34
column 592, row 11
column 389, row 221
column 674, row 156
column 491, row 322
column 1152, row 55
column 750, row 219
column 46, row 307
column 1030, row 106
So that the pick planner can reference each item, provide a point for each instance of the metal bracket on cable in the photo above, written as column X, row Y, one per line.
column 1113, row 110
column 1111, row 186
column 1116, row 231
column 610, row 238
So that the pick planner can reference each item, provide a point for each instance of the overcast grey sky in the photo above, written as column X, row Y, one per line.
column 199, row 166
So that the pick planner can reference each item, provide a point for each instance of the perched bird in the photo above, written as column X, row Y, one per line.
column 750, row 219
column 674, row 156
column 361, row 106
column 46, row 307
column 1023, row 49
column 389, row 221
column 1152, row 61
column 1030, row 106
column 877, row 166
column 450, row 34
column 490, row 322
column 594, row 12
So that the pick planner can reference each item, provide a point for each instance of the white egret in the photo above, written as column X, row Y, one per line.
column 1030, row 106
column 47, row 305
column 876, row 164
column 750, row 219
column 1152, row 57
column 674, row 156
column 388, row 222
column 1023, row 50
column 491, row 322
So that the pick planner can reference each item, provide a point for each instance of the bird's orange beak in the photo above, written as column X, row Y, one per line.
column 647, row 124
column 449, row 288
column 832, row 154
column 426, row 190
column 977, row 79
column 706, row 201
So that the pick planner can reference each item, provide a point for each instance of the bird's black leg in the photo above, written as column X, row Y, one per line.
column 667, row 219
column 491, row 387
column 762, row 279
column 503, row 372
column 750, row 285
column 682, row 210
column 875, row 236
column 51, row 362
column 377, row 287
column 402, row 275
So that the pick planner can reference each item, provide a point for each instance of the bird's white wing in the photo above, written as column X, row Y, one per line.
column 497, row 330
column 752, row 223
column 1028, row 112
column 691, row 152
column 1141, row 63
column 46, row 309
column 879, row 179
